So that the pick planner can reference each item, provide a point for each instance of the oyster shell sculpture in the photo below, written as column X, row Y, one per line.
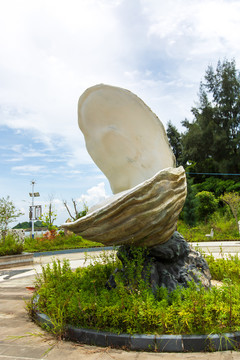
column 128, row 143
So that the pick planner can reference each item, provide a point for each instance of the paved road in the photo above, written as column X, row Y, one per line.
column 21, row 339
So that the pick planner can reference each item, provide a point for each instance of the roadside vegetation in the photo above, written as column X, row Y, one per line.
column 57, row 242
column 10, row 246
column 224, row 229
column 204, row 213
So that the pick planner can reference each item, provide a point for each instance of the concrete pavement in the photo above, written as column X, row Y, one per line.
column 20, row 338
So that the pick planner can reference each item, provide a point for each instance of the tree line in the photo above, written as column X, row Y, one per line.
column 209, row 148
column 210, row 143
column 38, row 225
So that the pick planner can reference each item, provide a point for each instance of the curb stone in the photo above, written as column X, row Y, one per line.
column 137, row 342
column 10, row 261
column 72, row 251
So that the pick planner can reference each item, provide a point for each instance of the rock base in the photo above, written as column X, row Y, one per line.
column 168, row 265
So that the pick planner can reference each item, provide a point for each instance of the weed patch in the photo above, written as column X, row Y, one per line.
column 223, row 228
column 225, row 268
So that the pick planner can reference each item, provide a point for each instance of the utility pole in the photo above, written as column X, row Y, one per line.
column 32, row 208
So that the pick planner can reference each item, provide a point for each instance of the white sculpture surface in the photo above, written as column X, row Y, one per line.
column 123, row 136
column 128, row 143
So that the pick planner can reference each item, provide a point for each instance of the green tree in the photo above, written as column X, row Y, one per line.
column 49, row 216
column 23, row 225
column 218, row 186
column 28, row 224
column 8, row 214
column 206, row 204
column 175, row 141
column 212, row 140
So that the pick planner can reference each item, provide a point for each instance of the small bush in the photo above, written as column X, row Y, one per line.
column 206, row 204
column 10, row 246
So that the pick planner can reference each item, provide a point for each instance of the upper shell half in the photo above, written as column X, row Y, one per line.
column 124, row 137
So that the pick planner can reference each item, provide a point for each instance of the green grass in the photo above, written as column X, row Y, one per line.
column 223, row 268
column 224, row 229
column 81, row 299
column 60, row 242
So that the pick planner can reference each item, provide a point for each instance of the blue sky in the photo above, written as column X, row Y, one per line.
column 51, row 51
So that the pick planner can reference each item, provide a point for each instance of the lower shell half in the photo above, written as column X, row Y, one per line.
column 145, row 215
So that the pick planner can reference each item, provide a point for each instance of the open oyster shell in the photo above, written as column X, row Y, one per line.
column 128, row 143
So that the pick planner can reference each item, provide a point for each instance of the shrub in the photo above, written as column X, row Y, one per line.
column 206, row 204
column 8, row 213
column 10, row 246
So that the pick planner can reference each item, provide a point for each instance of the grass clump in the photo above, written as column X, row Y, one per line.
column 224, row 228
column 80, row 298
column 57, row 242
column 10, row 246
column 225, row 268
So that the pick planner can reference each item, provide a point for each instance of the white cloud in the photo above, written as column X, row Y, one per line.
column 28, row 169
column 94, row 195
column 12, row 159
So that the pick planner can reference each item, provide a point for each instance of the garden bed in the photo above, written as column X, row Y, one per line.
column 81, row 299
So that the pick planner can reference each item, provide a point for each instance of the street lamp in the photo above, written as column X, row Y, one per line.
column 33, row 208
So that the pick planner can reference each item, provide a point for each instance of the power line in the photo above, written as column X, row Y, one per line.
column 193, row 173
